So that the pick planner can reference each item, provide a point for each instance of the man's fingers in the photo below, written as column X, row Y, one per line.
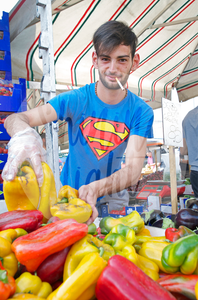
column 93, row 216
column 36, row 164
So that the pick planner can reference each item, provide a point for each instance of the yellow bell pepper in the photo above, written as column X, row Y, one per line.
column 11, row 234
column 144, row 231
column 7, row 257
column 153, row 251
column 88, row 244
column 24, row 296
column 23, row 191
column 28, row 283
column 147, row 266
column 48, row 192
column 82, row 281
column 68, row 192
column 71, row 207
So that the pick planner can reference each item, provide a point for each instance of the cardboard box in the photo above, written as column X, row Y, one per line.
column 103, row 211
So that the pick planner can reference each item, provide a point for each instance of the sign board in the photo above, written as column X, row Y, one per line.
column 172, row 123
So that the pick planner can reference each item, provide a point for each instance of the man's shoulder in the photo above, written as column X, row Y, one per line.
column 139, row 101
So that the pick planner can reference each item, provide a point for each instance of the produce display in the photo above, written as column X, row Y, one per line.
column 50, row 256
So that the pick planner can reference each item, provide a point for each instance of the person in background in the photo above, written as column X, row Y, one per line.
column 104, row 119
column 183, row 162
column 190, row 145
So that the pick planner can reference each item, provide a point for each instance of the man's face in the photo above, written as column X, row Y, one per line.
column 118, row 64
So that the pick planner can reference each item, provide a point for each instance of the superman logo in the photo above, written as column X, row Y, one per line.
column 103, row 136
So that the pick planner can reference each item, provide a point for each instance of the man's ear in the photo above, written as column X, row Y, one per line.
column 136, row 61
column 95, row 60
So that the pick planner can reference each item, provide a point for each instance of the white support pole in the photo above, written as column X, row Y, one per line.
column 48, row 87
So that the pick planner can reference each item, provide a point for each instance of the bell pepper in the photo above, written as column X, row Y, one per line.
column 7, row 257
column 122, row 279
column 11, row 234
column 86, row 245
column 92, row 229
column 28, row 220
column 24, row 296
column 23, row 191
column 69, row 206
column 51, row 269
column 182, row 284
column 144, row 232
column 173, row 234
column 153, row 251
column 133, row 220
column 181, row 255
column 28, row 283
column 32, row 249
column 81, row 283
column 147, row 266
column 48, row 192
column 7, row 284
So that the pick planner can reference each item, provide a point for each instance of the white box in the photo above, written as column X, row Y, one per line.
column 153, row 201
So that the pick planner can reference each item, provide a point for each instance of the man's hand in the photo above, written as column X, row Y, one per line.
column 88, row 194
column 24, row 145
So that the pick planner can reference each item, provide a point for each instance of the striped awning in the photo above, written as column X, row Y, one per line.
column 167, row 33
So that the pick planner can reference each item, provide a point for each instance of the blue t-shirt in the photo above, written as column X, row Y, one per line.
column 98, row 132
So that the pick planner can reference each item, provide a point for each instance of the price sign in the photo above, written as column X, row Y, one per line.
column 172, row 123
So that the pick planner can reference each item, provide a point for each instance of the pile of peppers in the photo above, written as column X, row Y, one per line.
column 47, row 252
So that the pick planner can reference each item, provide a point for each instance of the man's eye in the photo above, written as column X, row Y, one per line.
column 105, row 59
column 122, row 60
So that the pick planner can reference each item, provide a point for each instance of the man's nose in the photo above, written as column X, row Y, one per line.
column 112, row 66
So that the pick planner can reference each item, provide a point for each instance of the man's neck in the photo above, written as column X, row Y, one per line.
column 109, row 96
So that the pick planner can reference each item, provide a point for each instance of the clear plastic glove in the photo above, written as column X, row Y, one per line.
column 25, row 145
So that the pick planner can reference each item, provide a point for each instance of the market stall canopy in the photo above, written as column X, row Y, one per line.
column 167, row 33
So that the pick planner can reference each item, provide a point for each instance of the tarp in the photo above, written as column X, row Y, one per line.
column 167, row 33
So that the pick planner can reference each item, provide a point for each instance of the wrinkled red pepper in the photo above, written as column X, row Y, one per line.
column 33, row 248
column 7, row 284
column 29, row 220
column 122, row 279
column 51, row 269
column 182, row 284
column 173, row 234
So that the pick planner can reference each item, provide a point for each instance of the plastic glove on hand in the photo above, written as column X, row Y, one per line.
column 25, row 145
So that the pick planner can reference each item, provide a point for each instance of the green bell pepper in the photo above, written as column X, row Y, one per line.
column 181, row 256
column 133, row 220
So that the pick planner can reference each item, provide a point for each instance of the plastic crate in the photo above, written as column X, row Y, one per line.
column 3, row 160
column 1, row 191
column 17, row 102
column 5, row 64
column 4, row 136
column 4, row 32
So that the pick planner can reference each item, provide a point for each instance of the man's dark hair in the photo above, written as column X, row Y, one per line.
column 112, row 34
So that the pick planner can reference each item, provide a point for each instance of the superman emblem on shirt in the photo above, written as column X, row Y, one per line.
column 103, row 136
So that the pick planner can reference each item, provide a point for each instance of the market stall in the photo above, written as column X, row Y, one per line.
column 48, row 251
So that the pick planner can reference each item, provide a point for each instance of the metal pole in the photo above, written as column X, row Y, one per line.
column 48, row 87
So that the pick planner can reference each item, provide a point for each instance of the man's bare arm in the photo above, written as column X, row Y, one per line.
column 34, row 117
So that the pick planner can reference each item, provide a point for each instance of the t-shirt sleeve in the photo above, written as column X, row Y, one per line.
column 143, row 121
column 65, row 104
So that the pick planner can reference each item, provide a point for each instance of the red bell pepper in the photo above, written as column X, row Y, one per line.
column 29, row 220
column 51, row 269
column 27, row 223
column 7, row 284
column 173, row 234
column 122, row 279
column 179, row 283
column 33, row 248
column 15, row 214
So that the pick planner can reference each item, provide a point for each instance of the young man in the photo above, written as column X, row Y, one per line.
column 102, row 121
